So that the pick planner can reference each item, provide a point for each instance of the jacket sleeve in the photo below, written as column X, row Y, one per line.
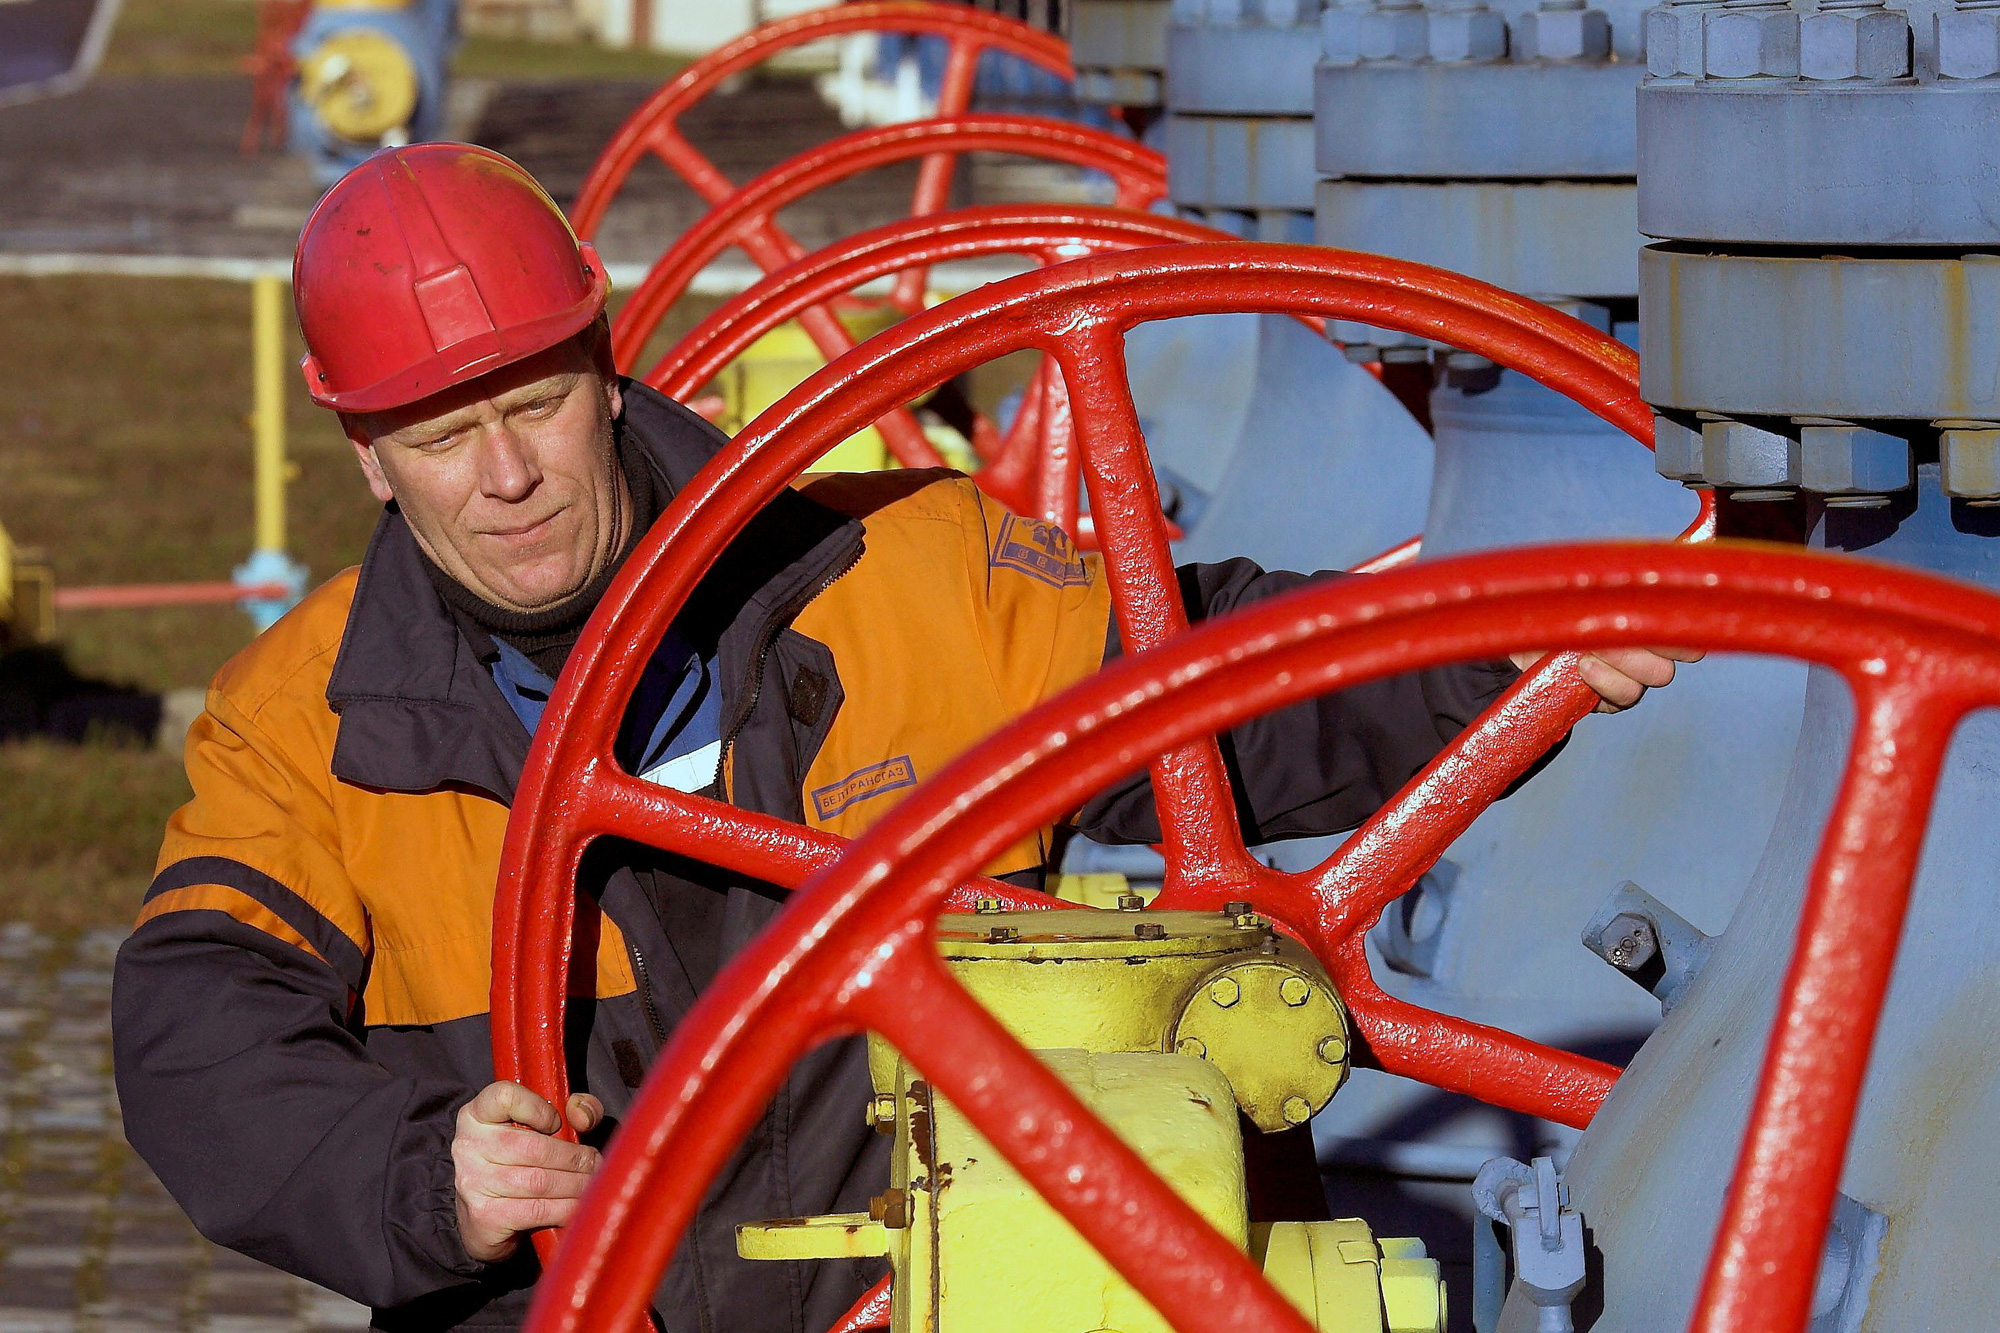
column 240, row 1072
column 1317, row 767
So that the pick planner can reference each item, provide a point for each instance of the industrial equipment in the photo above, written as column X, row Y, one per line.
column 1497, row 141
column 1818, row 330
column 51, row 47
column 27, row 596
column 370, row 74
column 1078, row 313
column 1173, row 1028
column 857, row 950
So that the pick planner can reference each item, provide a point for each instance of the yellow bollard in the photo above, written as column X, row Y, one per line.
column 267, row 294
column 268, row 565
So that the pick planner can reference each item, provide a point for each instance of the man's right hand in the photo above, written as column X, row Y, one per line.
column 512, row 1174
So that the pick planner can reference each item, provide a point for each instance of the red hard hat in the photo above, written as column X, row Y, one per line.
column 429, row 265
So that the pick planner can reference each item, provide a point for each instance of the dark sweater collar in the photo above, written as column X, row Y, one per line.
column 418, row 709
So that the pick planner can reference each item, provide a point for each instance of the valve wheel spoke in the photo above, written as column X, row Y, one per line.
column 854, row 948
column 654, row 128
column 1140, row 173
column 1076, row 314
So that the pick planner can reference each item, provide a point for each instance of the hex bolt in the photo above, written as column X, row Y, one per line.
column 1297, row 1110
column 1002, row 935
column 882, row 1113
column 1751, row 39
column 1333, row 1050
column 1676, row 450
column 1193, row 1046
column 1236, row 909
column 1969, row 455
column 1735, row 453
column 1968, row 40
column 1131, row 902
column 1224, row 992
column 1628, row 942
column 1295, row 991
column 1563, row 30
column 1393, row 30
column 1673, row 39
column 1150, row 930
column 1846, row 461
column 1854, row 39
column 1465, row 32
column 988, row 906
column 891, row 1208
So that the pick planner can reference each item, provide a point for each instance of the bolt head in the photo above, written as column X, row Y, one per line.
column 1192, row 1046
column 882, row 1113
column 1844, row 459
column 1854, row 44
column 1131, row 902
column 1968, row 43
column 1735, row 453
column 1394, row 34
column 1750, row 43
column 1457, row 36
column 986, row 906
column 1340, row 33
column 1295, row 991
column 1628, row 941
column 1297, row 1110
column 1673, row 42
column 1332, row 1050
column 1563, row 34
column 1970, row 459
column 1224, row 992
column 1149, row 930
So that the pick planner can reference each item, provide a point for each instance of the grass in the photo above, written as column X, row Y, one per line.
column 208, row 37
column 80, row 829
column 125, row 455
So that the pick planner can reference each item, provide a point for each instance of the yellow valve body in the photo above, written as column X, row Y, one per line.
column 360, row 83
column 1174, row 1028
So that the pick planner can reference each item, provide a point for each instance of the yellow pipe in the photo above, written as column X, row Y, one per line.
column 267, row 295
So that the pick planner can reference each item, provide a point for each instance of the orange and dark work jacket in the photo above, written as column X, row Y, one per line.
column 302, row 1008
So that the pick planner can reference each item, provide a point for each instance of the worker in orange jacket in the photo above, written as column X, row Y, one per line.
column 300, row 1015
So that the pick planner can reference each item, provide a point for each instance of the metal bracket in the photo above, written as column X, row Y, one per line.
column 1649, row 942
column 1531, row 1200
column 1847, row 1266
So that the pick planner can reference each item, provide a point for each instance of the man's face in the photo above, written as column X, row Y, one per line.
column 509, row 481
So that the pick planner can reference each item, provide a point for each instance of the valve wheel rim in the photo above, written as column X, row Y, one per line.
column 1139, row 172
column 1032, row 470
column 571, row 791
column 853, row 950
column 653, row 129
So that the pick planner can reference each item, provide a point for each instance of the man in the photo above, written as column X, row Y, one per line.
column 300, row 1014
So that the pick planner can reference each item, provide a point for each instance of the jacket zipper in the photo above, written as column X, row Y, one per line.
column 645, row 980
column 768, row 639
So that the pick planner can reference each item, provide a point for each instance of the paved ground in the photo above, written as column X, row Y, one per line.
column 89, row 1241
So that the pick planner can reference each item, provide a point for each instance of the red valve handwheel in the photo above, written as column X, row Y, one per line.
column 1140, row 175
column 853, row 951
column 654, row 128
column 572, row 790
column 1033, row 469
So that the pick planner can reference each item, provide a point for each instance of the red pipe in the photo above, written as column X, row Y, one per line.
column 134, row 596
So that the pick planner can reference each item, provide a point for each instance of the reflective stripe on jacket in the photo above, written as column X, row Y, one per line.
column 302, row 1007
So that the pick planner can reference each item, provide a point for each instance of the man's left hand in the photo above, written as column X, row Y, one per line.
column 1622, row 675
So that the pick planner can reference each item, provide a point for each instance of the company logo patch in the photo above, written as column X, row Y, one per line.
column 1039, row 550
column 863, row 783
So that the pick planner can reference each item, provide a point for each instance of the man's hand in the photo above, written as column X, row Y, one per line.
column 511, row 1173
column 1621, row 675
